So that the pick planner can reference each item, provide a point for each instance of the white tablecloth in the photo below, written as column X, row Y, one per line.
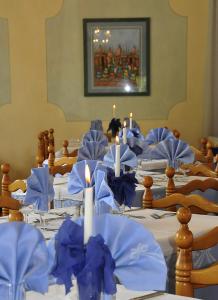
column 57, row 292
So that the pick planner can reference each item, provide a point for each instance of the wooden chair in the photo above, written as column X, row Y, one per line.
column 60, row 166
column 186, row 277
column 176, row 133
column 174, row 199
column 66, row 153
column 13, row 206
column 171, row 189
column 8, row 187
column 45, row 138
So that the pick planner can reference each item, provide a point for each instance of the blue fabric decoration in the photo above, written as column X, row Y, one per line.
column 76, row 178
column 120, row 248
column 104, row 198
column 123, row 187
column 39, row 189
column 91, row 151
column 114, row 126
column 127, row 157
column 157, row 135
column 92, row 264
column 175, row 150
column 95, row 136
column 135, row 140
column 96, row 125
column 24, row 261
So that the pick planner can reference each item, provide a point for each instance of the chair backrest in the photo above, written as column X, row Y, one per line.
column 186, row 277
column 45, row 138
column 62, row 165
column 206, row 150
column 8, row 187
column 193, row 185
column 66, row 153
column 176, row 133
column 177, row 196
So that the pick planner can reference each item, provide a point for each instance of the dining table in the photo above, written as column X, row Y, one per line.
column 162, row 224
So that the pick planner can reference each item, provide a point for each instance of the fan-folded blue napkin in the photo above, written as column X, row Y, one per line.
column 104, row 197
column 127, row 157
column 175, row 150
column 123, row 187
column 92, row 151
column 120, row 248
column 24, row 261
column 135, row 140
column 157, row 135
column 95, row 136
column 96, row 125
column 39, row 189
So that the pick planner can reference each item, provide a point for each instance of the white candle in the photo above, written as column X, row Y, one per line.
column 117, row 158
column 88, row 211
column 114, row 111
column 130, row 121
column 124, row 133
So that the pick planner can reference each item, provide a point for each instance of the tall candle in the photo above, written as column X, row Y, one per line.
column 88, row 211
column 114, row 111
column 124, row 133
column 130, row 121
column 117, row 158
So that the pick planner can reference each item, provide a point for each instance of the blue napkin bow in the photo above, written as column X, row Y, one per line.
column 157, row 135
column 123, row 187
column 127, row 157
column 119, row 248
column 92, row 264
column 24, row 261
column 39, row 189
column 95, row 136
column 92, row 151
column 175, row 150
column 96, row 125
column 104, row 198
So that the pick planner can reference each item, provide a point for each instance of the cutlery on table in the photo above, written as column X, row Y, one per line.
column 148, row 296
column 157, row 216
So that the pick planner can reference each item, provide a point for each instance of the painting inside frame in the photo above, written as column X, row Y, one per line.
column 116, row 57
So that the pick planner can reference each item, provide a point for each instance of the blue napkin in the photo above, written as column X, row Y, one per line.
column 127, row 157
column 96, row 125
column 123, row 187
column 104, row 198
column 175, row 150
column 24, row 261
column 157, row 135
column 39, row 189
column 95, row 136
column 135, row 140
column 92, row 151
column 120, row 248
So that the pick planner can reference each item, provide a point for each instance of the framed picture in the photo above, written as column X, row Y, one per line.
column 116, row 57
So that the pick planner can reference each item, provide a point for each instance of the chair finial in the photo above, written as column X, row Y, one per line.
column 51, row 156
column 65, row 150
column 184, row 240
column 170, row 188
column 148, row 196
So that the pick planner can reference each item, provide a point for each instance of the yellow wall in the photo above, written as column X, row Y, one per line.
column 29, row 111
